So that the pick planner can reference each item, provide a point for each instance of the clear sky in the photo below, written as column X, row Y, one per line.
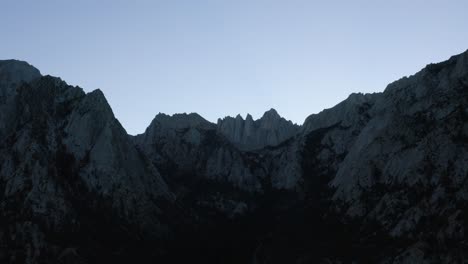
column 220, row 57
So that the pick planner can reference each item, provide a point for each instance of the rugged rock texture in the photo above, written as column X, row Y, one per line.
column 189, row 145
column 67, row 170
column 269, row 130
column 408, row 167
column 397, row 163
column 379, row 178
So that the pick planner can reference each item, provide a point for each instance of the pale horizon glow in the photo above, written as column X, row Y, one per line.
column 223, row 58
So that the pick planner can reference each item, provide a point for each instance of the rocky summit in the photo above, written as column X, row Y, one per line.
column 270, row 130
column 378, row 178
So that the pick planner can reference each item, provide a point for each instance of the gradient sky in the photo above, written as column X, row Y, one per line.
column 224, row 57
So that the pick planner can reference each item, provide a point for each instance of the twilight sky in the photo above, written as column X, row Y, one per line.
column 221, row 57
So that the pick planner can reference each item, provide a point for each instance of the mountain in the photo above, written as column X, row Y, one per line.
column 67, row 168
column 270, row 130
column 378, row 178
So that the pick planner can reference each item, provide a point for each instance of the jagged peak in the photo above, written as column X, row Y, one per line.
column 191, row 115
column 249, row 134
column 271, row 113
column 98, row 96
column 53, row 80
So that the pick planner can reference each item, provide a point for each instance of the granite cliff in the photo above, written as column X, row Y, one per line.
column 270, row 130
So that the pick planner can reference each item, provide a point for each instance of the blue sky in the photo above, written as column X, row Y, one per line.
column 223, row 57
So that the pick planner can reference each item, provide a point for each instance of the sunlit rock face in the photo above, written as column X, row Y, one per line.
column 378, row 178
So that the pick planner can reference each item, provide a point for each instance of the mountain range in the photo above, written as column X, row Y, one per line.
column 378, row 178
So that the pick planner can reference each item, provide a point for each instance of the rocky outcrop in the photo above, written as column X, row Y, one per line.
column 187, row 144
column 197, row 147
column 12, row 73
column 249, row 134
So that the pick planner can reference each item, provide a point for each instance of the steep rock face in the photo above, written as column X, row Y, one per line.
column 397, row 163
column 350, row 112
column 65, row 158
column 408, row 167
column 187, row 144
column 190, row 145
column 12, row 73
column 269, row 130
